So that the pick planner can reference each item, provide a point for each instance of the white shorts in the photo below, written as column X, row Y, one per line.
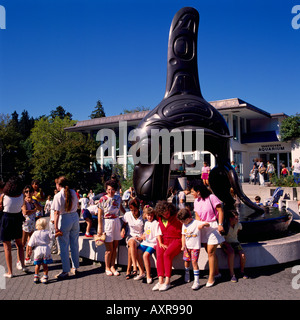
column 134, row 238
column 42, row 254
column 112, row 228
column 211, row 235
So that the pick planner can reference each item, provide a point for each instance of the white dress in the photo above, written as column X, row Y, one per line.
column 40, row 242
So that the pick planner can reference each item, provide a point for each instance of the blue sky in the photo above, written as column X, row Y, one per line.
column 74, row 52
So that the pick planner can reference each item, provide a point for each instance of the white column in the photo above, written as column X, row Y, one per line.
column 123, row 145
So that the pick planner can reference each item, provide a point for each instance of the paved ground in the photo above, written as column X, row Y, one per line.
column 267, row 283
column 280, row 282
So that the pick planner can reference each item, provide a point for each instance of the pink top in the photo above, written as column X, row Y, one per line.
column 203, row 207
column 205, row 169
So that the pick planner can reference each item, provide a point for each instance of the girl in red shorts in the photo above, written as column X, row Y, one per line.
column 169, row 243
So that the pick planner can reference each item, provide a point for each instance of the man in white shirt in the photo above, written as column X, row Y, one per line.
column 296, row 171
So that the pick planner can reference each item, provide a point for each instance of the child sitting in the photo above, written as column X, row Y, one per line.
column 191, row 243
column 151, row 231
column 258, row 201
column 40, row 244
column 231, row 245
column 87, row 215
column 136, row 227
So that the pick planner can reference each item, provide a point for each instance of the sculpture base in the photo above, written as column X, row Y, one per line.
column 258, row 254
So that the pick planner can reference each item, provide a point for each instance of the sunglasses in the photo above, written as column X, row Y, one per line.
column 27, row 191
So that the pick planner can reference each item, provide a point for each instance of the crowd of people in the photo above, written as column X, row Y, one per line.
column 260, row 173
column 163, row 229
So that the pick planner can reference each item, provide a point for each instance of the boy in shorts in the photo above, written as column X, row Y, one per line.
column 191, row 243
column 231, row 245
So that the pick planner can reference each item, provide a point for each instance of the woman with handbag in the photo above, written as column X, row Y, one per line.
column 208, row 208
column 66, row 220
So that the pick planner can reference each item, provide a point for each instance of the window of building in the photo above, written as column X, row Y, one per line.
column 242, row 126
column 235, row 127
column 238, row 160
column 225, row 116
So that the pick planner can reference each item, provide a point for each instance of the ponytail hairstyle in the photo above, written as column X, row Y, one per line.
column 63, row 182
column 148, row 210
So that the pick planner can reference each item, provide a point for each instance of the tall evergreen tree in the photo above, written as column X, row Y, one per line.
column 26, row 123
column 61, row 113
column 98, row 112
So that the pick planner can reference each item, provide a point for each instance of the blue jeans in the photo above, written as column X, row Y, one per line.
column 69, row 226
column 296, row 177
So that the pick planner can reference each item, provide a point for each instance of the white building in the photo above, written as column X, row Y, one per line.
column 255, row 135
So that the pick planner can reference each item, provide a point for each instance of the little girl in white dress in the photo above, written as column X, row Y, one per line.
column 40, row 244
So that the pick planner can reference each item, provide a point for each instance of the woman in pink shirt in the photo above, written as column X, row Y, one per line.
column 208, row 208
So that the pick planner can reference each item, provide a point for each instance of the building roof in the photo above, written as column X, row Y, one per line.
column 234, row 105
column 87, row 125
column 239, row 105
column 279, row 115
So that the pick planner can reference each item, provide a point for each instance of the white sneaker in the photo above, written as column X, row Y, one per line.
column 209, row 284
column 28, row 262
column 8, row 275
column 156, row 287
column 44, row 279
column 19, row 265
column 164, row 287
column 196, row 285
column 149, row 280
column 140, row 276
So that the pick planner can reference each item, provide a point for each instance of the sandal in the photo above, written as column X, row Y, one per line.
column 128, row 276
column 108, row 273
column 134, row 273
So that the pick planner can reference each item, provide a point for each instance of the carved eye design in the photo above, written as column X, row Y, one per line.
column 183, row 48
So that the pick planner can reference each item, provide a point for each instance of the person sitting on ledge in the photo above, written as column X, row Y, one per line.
column 231, row 245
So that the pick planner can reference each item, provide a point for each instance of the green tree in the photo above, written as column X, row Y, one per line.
column 290, row 128
column 58, row 152
column 61, row 113
column 98, row 112
column 26, row 123
column 10, row 144
column 137, row 109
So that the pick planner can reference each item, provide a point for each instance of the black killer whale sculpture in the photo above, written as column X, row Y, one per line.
column 183, row 106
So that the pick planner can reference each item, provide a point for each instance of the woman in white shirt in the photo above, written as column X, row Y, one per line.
column 66, row 220
column 11, row 202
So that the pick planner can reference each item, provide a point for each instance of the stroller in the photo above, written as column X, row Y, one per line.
column 273, row 201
